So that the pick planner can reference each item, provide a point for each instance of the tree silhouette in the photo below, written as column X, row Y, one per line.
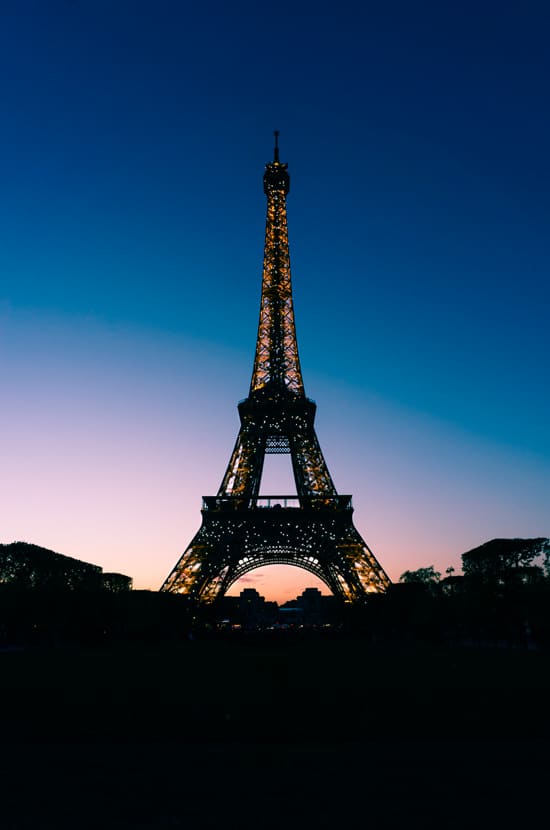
column 426, row 576
column 500, row 556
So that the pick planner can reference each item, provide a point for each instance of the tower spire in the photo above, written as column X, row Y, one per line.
column 276, row 364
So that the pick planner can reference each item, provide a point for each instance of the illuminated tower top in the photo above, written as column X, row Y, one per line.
column 277, row 369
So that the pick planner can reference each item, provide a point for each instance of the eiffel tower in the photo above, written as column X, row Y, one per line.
column 241, row 530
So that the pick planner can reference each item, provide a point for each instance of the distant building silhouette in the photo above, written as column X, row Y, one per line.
column 310, row 608
column 254, row 611
column 251, row 610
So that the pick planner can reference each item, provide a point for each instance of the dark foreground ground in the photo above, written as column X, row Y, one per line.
column 287, row 732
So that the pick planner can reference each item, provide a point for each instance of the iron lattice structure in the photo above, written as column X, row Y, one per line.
column 241, row 530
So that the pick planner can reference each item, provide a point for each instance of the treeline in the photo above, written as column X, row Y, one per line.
column 502, row 598
column 24, row 565
column 56, row 616
column 50, row 599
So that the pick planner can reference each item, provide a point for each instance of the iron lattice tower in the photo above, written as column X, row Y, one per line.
column 241, row 530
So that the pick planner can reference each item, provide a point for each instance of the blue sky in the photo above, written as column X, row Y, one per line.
column 131, row 153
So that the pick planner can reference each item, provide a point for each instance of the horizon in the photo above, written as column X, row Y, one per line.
column 134, row 236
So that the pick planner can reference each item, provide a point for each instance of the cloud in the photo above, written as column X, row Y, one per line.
column 251, row 578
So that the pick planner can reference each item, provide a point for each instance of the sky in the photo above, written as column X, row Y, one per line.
column 133, row 140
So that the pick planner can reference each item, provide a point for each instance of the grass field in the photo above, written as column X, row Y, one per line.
column 316, row 732
column 249, row 689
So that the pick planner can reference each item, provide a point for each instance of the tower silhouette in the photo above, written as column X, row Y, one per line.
column 241, row 530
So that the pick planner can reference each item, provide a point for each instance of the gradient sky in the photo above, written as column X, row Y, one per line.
column 132, row 145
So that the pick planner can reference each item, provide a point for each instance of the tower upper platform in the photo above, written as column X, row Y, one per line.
column 276, row 176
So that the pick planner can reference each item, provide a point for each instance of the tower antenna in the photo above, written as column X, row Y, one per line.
column 276, row 150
